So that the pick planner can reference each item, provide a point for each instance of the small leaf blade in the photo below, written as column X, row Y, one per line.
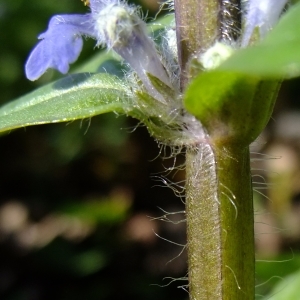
column 74, row 97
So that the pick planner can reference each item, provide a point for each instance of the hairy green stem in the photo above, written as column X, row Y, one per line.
column 199, row 23
column 219, row 207
column 197, row 27
column 219, row 223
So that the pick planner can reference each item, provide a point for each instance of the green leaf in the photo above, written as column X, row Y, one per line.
column 287, row 288
column 234, row 112
column 74, row 97
column 277, row 56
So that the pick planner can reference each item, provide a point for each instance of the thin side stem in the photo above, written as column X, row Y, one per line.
column 220, row 224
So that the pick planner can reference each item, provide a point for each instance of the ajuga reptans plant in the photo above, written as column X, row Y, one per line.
column 208, row 88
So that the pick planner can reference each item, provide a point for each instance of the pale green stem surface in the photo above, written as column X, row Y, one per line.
column 219, row 223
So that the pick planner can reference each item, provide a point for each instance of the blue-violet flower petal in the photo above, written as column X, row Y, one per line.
column 261, row 14
column 60, row 45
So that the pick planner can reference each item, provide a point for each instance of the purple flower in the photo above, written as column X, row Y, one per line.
column 110, row 22
column 60, row 45
column 263, row 15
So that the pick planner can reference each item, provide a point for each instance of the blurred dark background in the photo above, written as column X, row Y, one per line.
column 77, row 200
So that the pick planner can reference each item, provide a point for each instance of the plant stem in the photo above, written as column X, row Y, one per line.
column 219, row 223
column 199, row 23
column 197, row 26
column 219, row 207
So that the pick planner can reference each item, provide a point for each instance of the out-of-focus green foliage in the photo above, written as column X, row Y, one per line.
column 287, row 288
column 275, row 272
column 99, row 211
